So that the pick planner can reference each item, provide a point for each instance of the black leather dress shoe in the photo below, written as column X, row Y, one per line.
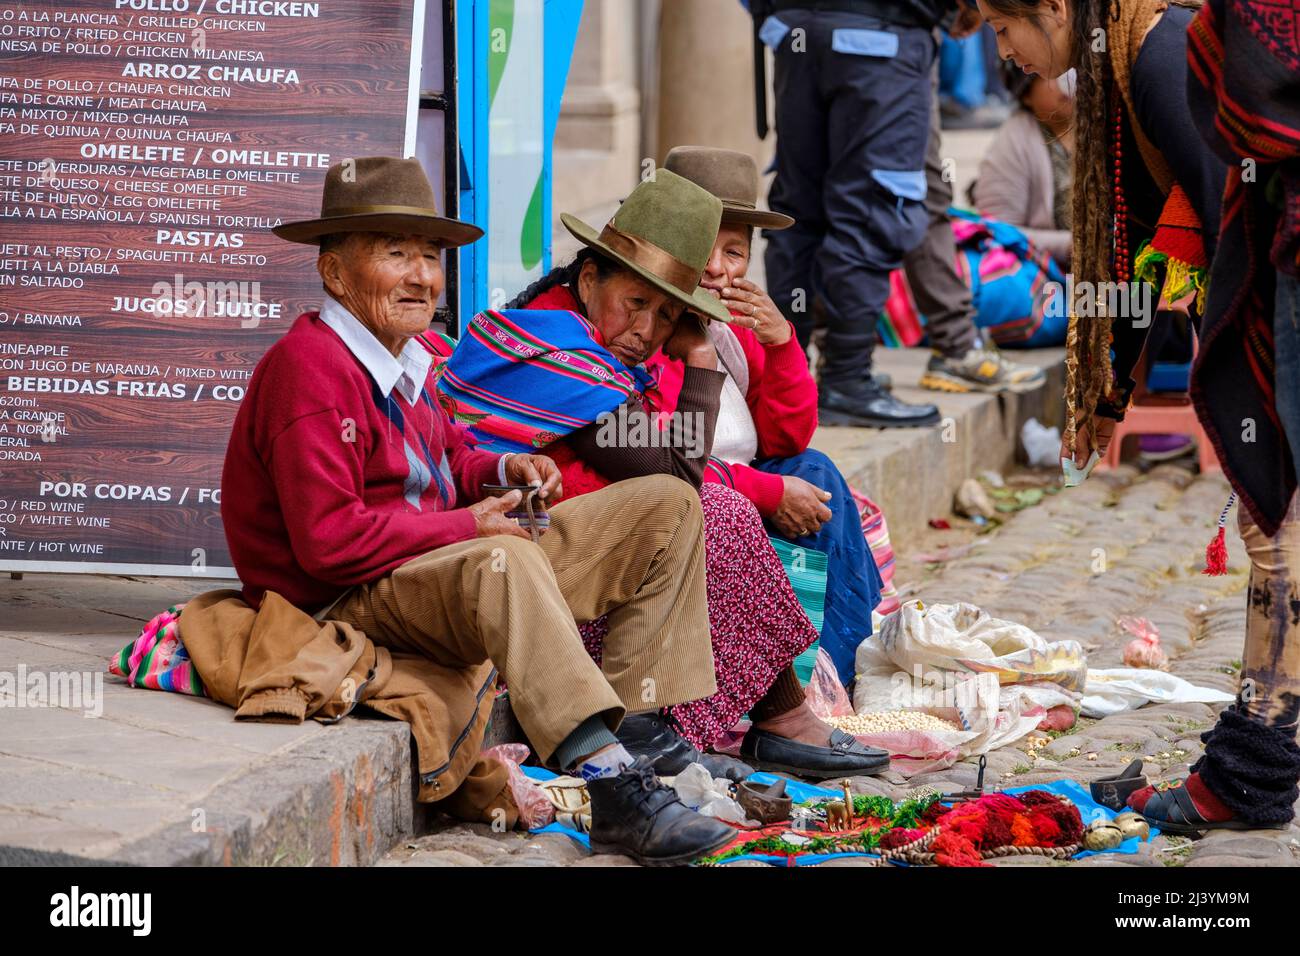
column 634, row 813
column 652, row 735
column 865, row 404
column 844, row 757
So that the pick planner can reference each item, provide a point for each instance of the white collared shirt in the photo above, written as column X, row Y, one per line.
column 406, row 371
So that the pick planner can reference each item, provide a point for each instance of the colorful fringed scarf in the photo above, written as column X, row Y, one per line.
column 1177, row 249
column 523, row 379
column 157, row 660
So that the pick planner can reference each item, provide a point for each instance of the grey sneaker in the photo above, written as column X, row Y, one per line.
column 981, row 369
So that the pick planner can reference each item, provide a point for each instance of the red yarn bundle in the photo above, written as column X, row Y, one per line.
column 1034, row 818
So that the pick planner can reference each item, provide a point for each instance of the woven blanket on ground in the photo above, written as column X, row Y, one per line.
column 157, row 660
column 1079, row 798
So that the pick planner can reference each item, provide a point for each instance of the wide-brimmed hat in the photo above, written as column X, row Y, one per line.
column 379, row 194
column 732, row 177
column 664, row 232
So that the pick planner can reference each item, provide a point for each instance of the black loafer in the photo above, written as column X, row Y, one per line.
column 844, row 757
column 653, row 735
column 866, row 405
column 633, row 813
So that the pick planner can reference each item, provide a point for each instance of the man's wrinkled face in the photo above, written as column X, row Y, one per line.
column 634, row 318
column 389, row 282
column 729, row 260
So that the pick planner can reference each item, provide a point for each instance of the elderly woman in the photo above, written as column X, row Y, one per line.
column 570, row 378
column 769, row 410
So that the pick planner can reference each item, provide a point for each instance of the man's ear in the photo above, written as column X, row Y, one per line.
column 329, row 265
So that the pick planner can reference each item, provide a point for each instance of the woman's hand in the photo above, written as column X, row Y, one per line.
column 689, row 343
column 1080, row 454
column 803, row 508
column 750, row 301
column 535, row 470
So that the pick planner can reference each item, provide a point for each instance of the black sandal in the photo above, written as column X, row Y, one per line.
column 1172, row 809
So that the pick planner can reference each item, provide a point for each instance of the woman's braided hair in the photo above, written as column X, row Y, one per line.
column 566, row 275
column 1087, row 366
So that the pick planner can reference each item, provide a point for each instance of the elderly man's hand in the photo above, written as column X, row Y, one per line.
column 535, row 470
column 490, row 516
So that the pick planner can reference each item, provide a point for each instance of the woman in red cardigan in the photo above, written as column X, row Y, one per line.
column 768, row 409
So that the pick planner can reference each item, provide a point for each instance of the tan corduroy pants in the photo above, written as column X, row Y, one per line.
column 634, row 551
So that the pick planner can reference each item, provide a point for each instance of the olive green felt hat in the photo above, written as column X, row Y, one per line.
column 731, row 176
column 664, row 232
column 379, row 194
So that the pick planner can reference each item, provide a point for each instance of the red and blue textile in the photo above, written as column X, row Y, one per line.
column 523, row 379
column 1011, row 288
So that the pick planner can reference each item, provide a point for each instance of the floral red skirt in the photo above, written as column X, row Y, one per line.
column 757, row 624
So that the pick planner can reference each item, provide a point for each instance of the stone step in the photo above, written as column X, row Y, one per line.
column 913, row 473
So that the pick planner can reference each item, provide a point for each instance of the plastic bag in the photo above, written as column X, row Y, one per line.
column 1144, row 650
column 825, row 694
column 699, row 791
column 995, row 679
column 535, row 808
column 1042, row 445
column 1113, row 690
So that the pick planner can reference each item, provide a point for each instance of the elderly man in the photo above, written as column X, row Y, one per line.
column 349, row 492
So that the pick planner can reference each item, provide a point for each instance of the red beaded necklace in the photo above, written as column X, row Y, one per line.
column 1123, row 265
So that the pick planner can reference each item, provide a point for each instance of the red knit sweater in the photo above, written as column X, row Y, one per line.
column 328, row 484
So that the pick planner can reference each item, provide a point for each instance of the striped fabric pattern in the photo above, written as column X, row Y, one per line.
column 521, row 388
column 157, row 660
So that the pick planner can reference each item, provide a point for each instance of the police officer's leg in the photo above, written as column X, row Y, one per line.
column 800, row 166
column 874, row 190
column 941, row 295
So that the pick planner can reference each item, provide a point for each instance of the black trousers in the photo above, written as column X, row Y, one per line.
column 853, row 110
column 941, row 294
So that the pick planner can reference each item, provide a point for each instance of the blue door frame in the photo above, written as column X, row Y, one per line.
column 473, row 42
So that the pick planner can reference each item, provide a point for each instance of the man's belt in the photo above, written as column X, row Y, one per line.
column 879, row 9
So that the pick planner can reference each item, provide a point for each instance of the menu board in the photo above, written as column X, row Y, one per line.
column 147, row 148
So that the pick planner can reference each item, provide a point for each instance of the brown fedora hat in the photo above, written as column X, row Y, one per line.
column 732, row 177
column 379, row 194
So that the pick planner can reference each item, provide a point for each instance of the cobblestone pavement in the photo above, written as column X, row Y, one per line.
column 1119, row 544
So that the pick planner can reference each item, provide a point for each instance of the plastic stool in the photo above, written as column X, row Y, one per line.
column 1162, row 419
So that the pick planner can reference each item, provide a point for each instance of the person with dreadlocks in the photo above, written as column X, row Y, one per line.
column 1147, row 208
column 562, row 367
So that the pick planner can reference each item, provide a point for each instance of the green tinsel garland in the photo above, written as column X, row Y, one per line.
column 904, row 815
